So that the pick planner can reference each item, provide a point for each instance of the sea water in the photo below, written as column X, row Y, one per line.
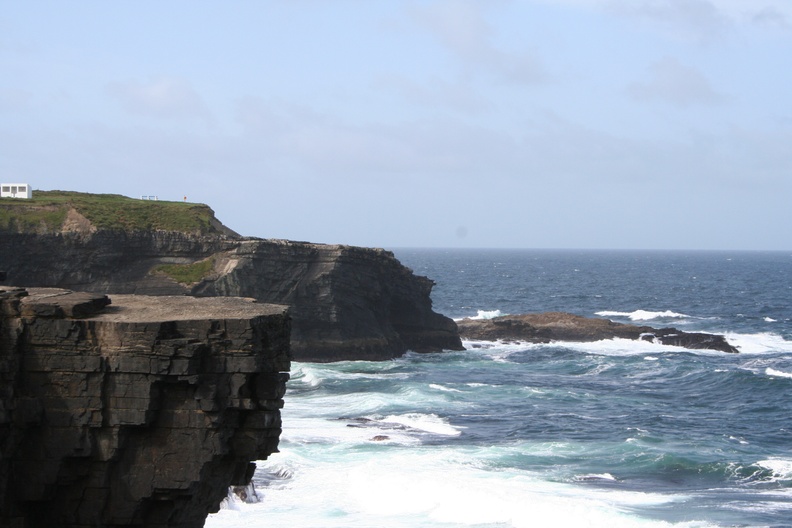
column 606, row 434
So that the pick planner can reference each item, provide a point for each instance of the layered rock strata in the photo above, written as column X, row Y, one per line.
column 558, row 326
column 137, row 413
column 346, row 302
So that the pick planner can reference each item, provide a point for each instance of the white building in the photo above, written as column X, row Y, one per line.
column 15, row 190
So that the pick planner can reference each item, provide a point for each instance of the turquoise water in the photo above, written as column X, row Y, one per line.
column 612, row 433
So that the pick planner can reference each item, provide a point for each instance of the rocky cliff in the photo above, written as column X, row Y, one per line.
column 346, row 302
column 140, row 413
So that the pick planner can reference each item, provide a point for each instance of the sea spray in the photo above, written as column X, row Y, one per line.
column 611, row 433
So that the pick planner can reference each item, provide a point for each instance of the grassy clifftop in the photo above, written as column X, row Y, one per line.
column 48, row 211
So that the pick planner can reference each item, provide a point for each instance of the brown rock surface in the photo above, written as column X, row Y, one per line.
column 141, row 414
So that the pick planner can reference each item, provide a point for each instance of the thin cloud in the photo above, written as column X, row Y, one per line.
column 435, row 93
column 462, row 28
column 163, row 97
column 698, row 20
column 675, row 83
column 769, row 16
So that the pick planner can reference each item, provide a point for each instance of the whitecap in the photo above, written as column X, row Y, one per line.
column 643, row 315
column 443, row 388
column 780, row 467
column 595, row 477
column 627, row 347
column 430, row 423
column 484, row 314
column 759, row 343
column 306, row 376
column 777, row 373
column 770, row 320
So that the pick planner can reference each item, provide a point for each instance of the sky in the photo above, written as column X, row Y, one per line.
column 603, row 124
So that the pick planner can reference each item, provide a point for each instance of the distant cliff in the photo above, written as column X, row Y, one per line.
column 346, row 302
column 140, row 413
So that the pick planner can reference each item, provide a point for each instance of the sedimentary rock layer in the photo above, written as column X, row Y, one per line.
column 558, row 326
column 346, row 302
column 140, row 413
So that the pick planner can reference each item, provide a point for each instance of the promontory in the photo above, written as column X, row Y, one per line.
column 346, row 302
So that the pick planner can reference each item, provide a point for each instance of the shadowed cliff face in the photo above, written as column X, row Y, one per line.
column 137, row 414
column 346, row 302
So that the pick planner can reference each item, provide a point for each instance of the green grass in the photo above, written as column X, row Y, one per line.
column 187, row 273
column 31, row 219
column 47, row 210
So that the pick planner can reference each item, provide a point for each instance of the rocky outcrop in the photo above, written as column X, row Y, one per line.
column 140, row 413
column 346, row 302
column 558, row 326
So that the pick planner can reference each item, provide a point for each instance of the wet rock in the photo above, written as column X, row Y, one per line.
column 559, row 326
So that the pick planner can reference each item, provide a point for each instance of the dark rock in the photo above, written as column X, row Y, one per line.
column 346, row 302
column 558, row 326
column 57, row 303
column 142, row 414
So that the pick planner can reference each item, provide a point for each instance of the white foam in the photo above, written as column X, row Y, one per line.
column 627, row 347
column 781, row 468
column 644, row 315
column 305, row 375
column 759, row 343
column 394, row 488
column 443, row 388
column 430, row 423
column 770, row 320
column 596, row 476
column 486, row 314
column 777, row 373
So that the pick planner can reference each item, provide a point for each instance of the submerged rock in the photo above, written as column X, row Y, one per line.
column 559, row 326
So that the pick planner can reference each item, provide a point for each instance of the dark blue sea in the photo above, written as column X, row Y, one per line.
column 606, row 434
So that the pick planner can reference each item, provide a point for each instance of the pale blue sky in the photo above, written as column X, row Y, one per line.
column 546, row 124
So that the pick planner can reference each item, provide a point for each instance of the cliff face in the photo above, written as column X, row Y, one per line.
column 346, row 302
column 138, row 414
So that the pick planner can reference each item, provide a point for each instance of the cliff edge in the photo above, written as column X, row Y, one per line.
column 346, row 302
column 137, row 413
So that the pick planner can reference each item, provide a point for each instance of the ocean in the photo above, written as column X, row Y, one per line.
column 606, row 434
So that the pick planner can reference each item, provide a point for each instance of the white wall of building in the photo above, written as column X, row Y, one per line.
column 15, row 190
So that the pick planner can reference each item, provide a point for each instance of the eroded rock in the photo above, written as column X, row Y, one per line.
column 140, row 414
column 346, row 302
column 559, row 326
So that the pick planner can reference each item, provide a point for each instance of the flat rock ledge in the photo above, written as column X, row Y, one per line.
column 559, row 326
column 132, row 410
